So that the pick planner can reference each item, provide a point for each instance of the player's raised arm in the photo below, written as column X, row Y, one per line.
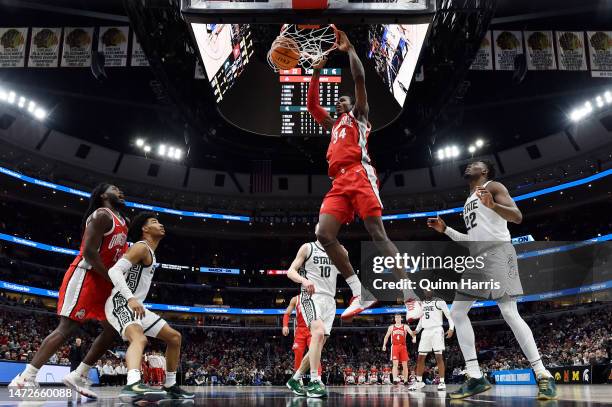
column 138, row 253
column 320, row 115
column 439, row 225
column 101, row 222
column 389, row 330
column 287, row 315
column 361, row 107
column 294, row 274
column 496, row 197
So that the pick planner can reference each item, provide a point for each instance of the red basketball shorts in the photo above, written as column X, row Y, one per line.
column 399, row 353
column 354, row 190
column 83, row 294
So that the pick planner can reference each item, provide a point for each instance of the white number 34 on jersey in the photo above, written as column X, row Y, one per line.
column 336, row 135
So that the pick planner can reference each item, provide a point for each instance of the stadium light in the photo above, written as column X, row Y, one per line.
column 11, row 97
column 3, row 95
column 178, row 154
column 40, row 114
column 31, row 106
column 147, row 149
column 21, row 103
column 600, row 101
column 608, row 96
column 479, row 143
column 471, row 149
column 161, row 150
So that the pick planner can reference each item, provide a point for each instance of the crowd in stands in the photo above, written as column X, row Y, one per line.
column 578, row 336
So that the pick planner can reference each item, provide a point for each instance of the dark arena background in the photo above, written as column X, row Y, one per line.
column 175, row 103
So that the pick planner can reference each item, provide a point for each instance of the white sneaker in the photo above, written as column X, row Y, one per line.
column 416, row 386
column 414, row 310
column 356, row 306
column 442, row 386
column 20, row 381
column 79, row 384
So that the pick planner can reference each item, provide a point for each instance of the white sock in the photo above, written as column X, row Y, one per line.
column 297, row 376
column 30, row 372
column 314, row 377
column 355, row 285
column 170, row 379
column 419, row 378
column 133, row 376
column 83, row 369
column 473, row 369
column 441, row 380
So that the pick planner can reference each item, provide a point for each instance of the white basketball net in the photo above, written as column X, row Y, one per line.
column 313, row 44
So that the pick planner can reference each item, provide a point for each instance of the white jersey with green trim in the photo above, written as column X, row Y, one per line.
column 319, row 269
column 484, row 224
column 139, row 277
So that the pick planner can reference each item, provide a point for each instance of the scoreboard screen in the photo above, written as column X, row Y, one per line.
column 295, row 119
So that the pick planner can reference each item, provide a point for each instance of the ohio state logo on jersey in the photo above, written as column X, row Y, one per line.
column 118, row 239
column 339, row 130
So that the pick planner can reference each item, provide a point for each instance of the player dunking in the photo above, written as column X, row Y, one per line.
column 313, row 269
column 399, row 350
column 132, row 276
column 355, row 185
column 301, row 333
column 486, row 213
column 85, row 288
column 432, row 338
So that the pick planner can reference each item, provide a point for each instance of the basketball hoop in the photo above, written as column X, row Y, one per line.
column 312, row 42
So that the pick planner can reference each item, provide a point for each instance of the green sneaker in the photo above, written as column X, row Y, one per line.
column 176, row 393
column 547, row 388
column 139, row 391
column 316, row 389
column 471, row 387
column 296, row 387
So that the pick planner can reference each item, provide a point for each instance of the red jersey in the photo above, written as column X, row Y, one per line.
column 348, row 371
column 299, row 322
column 113, row 246
column 398, row 336
column 348, row 145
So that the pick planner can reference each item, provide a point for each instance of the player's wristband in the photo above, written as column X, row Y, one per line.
column 456, row 236
column 286, row 321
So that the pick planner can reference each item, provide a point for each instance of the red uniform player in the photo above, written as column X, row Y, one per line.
column 355, row 184
column 85, row 288
column 349, row 376
column 399, row 350
column 301, row 333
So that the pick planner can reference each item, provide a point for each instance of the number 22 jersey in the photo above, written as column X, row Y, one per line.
column 482, row 223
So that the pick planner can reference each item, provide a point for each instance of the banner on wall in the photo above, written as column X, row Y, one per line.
column 571, row 50
column 113, row 42
column 138, row 57
column 571, row 374
column 540, row 50
column 12, row 46
column 600, row 51
column 44, row 47
column 484, row 57
column 518, row 376
column 507, row 45
column 76, row 51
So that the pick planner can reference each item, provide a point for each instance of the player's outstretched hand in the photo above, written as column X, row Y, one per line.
column 485, row 197
column 384, row 348
column 436, row 224
column 449, row 334
column 320, row 64
column 285, row 331
column 308, row 286
column 136, row 307
column 344, row 44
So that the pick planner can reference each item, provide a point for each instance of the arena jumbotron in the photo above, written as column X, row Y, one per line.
column 288, row 202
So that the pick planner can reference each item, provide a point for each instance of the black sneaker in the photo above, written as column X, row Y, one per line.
column 139, row 391
column 471, row 387
column 176, row 393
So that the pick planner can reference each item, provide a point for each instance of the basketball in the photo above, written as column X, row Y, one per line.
column 284, row 53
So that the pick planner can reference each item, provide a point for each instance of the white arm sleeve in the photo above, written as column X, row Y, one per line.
column 116, row 275
column 456, row 236
column 445, row 310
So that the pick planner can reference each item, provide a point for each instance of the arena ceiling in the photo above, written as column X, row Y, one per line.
column 132, row 103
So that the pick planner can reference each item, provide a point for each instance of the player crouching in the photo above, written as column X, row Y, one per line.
column 315, row 272
column 132, row 276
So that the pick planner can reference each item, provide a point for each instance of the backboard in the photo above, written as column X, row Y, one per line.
column 291, row 11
